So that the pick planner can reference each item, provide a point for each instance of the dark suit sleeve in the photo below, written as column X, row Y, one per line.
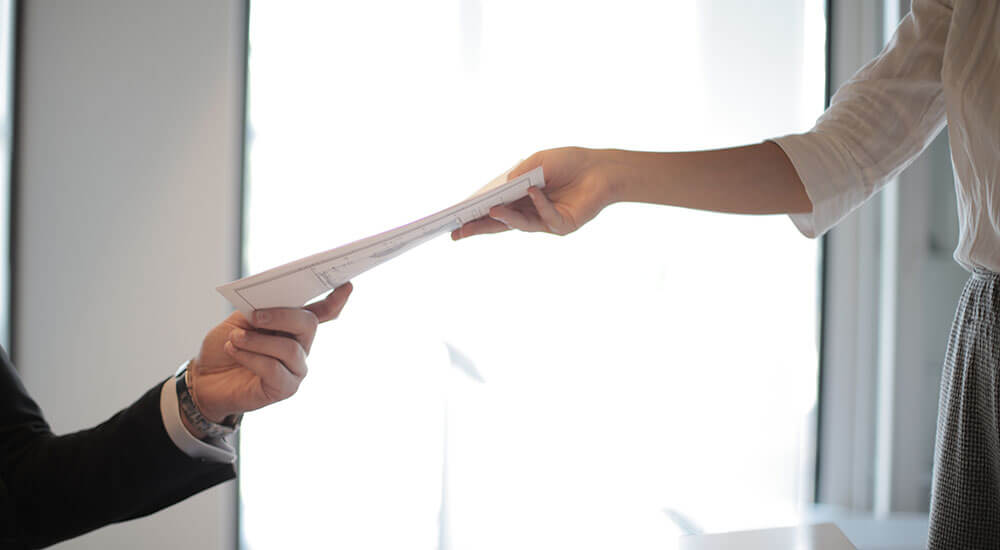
column 57, row 487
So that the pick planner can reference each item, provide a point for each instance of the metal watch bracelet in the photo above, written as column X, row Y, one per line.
column 185, row 400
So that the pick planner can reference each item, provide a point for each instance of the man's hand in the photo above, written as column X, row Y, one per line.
column 578, row 185
column 245, row 365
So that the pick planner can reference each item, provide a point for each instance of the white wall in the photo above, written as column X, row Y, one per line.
column 128, row 213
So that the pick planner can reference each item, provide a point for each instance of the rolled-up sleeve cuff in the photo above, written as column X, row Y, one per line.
column 826, row 174
column 212, row 450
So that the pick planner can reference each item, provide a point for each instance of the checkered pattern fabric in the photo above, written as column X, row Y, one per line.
column 965, row 498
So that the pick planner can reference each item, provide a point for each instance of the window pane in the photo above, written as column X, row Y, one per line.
column 6, row 93
column 658, row 364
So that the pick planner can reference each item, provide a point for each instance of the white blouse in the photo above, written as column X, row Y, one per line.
column 941, row 66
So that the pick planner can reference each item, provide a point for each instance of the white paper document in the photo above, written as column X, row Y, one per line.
column 295, row 283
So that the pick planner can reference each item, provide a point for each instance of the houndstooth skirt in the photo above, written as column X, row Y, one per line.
column 965, row 497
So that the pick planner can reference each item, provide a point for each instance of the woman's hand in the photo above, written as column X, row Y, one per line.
column 245, row 364
column 579, row 183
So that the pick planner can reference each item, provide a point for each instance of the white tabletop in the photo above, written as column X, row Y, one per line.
column 839, row 532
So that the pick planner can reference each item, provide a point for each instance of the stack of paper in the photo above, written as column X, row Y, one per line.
column 295, row 283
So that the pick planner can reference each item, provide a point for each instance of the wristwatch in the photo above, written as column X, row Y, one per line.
column 185, row 399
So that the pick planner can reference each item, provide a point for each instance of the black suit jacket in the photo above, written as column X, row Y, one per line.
column 57, row 487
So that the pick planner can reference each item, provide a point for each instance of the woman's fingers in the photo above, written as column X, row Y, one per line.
column 289, row 352
column 482, row 226
column 276, row 381
column 537, row 215
column 526, row 165
column 551, row 217
column 516, row 219
column 497, row 221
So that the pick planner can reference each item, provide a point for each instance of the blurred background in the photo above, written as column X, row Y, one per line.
column 661, row 372
column 625, row 375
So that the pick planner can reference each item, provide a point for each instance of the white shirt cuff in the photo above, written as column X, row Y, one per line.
column 212, row 450
column 831, row 183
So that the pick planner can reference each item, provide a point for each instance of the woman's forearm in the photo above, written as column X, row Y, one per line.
column 755, row 179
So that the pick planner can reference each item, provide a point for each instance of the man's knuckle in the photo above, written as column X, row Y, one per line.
column 289, row 388
column 283, row 317
column 289, row 348
column 274, row 368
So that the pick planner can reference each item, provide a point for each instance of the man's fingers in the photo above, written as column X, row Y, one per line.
column 299, row 323
column 547, row 211
column 330, row 307
column 276, row 381
column 482, row 226
column 289, row 352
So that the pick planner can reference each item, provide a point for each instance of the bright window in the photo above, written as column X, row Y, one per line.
column 655, row 370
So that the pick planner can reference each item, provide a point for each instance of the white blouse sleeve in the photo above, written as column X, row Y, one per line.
column 877, row 123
